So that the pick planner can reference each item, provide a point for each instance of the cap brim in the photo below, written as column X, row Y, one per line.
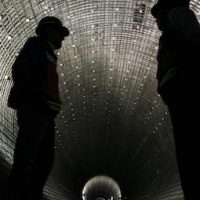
column 65, row 31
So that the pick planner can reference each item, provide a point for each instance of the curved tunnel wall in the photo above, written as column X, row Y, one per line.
column 112, row 120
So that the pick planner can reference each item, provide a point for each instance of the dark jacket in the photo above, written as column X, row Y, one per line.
column 29, row 74
column 179, row 46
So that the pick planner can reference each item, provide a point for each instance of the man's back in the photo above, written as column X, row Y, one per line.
column 28, row 73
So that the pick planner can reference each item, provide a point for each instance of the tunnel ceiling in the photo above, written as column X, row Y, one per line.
column 112, row 120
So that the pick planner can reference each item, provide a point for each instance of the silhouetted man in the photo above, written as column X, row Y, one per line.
column 178, row 61
column 35, row 97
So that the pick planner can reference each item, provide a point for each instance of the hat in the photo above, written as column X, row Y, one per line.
column 168, row 4
column 51, row 22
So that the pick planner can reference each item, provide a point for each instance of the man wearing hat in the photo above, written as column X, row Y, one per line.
column 35, row 97
column 178, row 60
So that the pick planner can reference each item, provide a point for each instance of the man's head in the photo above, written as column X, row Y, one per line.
column 52, row 29
column 161, row 9
column 166, row 5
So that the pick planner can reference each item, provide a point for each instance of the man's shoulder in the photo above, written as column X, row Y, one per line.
column 32, row 41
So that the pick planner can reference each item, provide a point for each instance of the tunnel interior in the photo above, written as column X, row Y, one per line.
column 113, row 124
